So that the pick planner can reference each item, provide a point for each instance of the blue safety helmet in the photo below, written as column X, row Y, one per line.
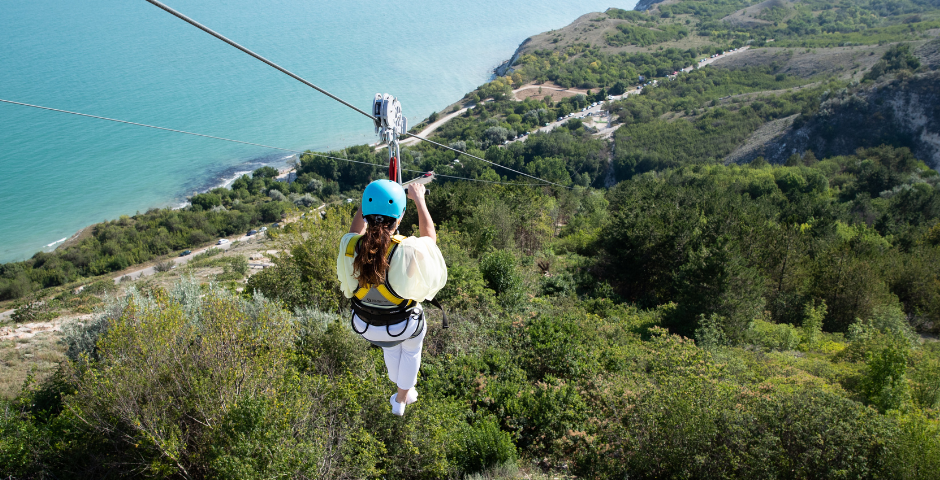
column 383, row 197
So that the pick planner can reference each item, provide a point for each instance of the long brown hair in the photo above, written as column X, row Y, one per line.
column 371, row 264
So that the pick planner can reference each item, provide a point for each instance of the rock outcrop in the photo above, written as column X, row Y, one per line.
column 902, row 113
column 506, row 66
column 644, row 5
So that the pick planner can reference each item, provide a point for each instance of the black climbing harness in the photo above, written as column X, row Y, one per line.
column 402, row 310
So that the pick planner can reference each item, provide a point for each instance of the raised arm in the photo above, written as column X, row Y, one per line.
column 359, row 224
column 425, row 224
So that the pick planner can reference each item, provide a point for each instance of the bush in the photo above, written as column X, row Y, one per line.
column 499, row 271
column 33, row 310
column 200, row 358
column 483, row 445
column 18, row 442
column 306, row 200
column 314, row 186
column 164, row 266
column 773, row 336
column 884, row 383
column 558, row 346
column 206, row 201
column 926, row 376
column 273, row 211
column 276, row 195
column 689, row 428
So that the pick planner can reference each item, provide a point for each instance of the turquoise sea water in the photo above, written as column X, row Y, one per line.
column 129, row 60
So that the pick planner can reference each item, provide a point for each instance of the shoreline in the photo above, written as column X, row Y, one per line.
column 224, row 180
column 227, row 175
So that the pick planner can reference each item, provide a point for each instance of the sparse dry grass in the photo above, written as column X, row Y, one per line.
column 38, row 356
column 586, row 30
column 805, row 63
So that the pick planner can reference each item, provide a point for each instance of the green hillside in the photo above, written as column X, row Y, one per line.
column 736, row 278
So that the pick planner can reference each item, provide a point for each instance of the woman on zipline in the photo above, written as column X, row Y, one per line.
column 386, row 275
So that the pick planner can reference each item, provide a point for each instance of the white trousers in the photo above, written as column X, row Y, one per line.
column 404, row 359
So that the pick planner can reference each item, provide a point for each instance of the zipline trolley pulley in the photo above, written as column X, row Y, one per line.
column 390, row 124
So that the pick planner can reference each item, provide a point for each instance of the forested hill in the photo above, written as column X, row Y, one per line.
column 738, row 277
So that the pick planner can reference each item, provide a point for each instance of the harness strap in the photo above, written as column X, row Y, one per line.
column 392, row 343
column 353, row 245
column 443, row 312
column 385, row 289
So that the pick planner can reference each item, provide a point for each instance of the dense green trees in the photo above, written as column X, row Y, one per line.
column 734, row 241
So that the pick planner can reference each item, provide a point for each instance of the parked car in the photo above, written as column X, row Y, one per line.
column 277, row 225
column 223, row 241
column 263, row 229
column 185, row 252
column 252, row 232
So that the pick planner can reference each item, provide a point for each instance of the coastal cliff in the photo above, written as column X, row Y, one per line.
column 506, row 66
column 644, row 5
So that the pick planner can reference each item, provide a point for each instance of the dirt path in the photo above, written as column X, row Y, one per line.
column 706, row 61
column 432, row 127
column 148, row 271
column 551, row 90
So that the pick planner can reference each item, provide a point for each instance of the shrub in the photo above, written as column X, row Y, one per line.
column 18, row 440
column 465, row 287
column 33, row 310
column 164, row 266
column 276, row 195
column 694, row 428
column 711, row 331
column 499, row 271
column 272, row 211
column 265, row 172
column 171, row 367
column 884, row 383
column 483, row 445
column 812, row 324
column 539, row 415
column 206, row 201
column 314, row 186
column 306, row 200
column 773, row 336
column 885, row 319
column 926, row 376
column 558, row 346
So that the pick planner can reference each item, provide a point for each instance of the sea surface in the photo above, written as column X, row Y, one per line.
column 129, row 60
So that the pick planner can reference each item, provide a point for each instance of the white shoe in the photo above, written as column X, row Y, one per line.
column 412, row 396
column 397, row 408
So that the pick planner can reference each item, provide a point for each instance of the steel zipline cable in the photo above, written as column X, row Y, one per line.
column 309, row 84
column 249, row 143
column 484, row 160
